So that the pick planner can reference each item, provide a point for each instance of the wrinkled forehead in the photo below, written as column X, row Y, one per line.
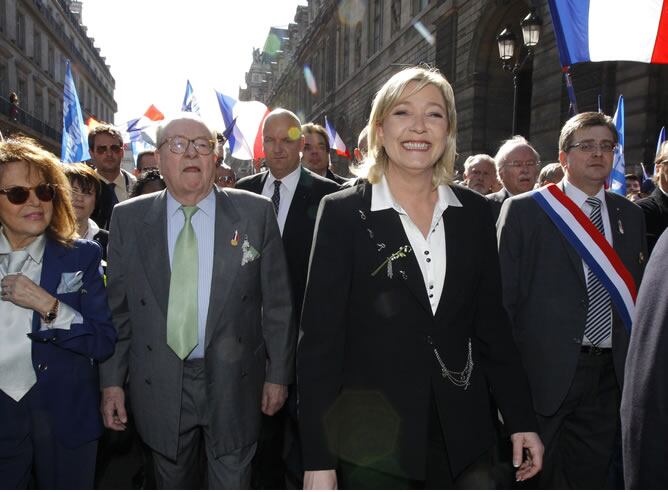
column 521, row 152
column 188, row 128
column 482, row 164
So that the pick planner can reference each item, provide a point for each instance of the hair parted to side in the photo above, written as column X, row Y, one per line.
column 375, row 164
column 85, row 177
column 314, row 128
column 104, row 128
column 63, row 226
column 585, row 120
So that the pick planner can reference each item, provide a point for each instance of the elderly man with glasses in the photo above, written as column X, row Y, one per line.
column 572, row 256
column 205, row 323
column 517, row 163
column 106, row 149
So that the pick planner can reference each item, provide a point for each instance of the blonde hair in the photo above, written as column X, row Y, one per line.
column 375, row 164
column 63, row 226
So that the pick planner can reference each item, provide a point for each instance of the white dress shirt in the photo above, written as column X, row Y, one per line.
column 287, row 191
column 579, row 197
column 204, row 224
column 430, row 252
column 17, row 374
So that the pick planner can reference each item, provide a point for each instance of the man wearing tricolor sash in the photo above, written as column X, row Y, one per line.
column 572, row 256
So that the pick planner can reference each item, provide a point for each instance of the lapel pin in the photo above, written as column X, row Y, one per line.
column 620, row 226
column 235, row 239
column 641, row 258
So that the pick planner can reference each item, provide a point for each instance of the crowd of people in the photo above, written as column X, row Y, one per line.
column 397, row 328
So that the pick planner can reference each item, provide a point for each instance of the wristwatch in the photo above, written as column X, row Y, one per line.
column 51, row 315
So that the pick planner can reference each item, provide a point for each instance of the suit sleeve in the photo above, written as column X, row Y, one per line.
column 500, row 357
column 114, row 370
column 91, row 333
column 644, row 407
column 278, row 319
column 320, row 355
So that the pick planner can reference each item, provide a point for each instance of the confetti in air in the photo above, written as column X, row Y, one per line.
column 351, row 12
column 424, row 32
column 310, row 80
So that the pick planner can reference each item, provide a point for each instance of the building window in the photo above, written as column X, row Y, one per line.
column 418, row 5
column 346, row 50
column 358, row 45
column 375, row 34
column 37, row 47
column 51, row 60
column 396, row 16
column 22, row 90
column 20, row 30
column 3, row 15
column 39, row 102
column 4, row 82
column 52, row 116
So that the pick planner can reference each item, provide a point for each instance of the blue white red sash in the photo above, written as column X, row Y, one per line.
column 592, row 246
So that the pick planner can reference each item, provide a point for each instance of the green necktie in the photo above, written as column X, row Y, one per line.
column 182, row 325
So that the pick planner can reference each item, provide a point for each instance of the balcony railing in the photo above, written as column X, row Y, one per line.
column 21, row 117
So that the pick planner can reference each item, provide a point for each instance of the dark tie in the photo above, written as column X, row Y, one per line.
column 114, row 198
column 599, row 321
column 276, row 197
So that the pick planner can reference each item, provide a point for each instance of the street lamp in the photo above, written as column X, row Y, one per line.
column 506, row 40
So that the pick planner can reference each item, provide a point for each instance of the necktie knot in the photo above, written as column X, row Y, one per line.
column 188, row 212
column 594, row 202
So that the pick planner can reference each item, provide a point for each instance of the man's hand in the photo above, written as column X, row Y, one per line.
column 320, row 480
column 273, row 397
column 113, row 408
column 533, row 463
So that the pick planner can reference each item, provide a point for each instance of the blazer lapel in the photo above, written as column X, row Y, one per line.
column 454, row 224
column 226, row 258
column 153, row 237
column 298, row 207
column 385, row 228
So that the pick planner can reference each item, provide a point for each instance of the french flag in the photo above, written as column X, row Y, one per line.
column 611, row 30
column 243, row 126
column 135, row 126
column 335, row 141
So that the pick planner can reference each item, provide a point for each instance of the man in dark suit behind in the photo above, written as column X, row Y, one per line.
column 655, row 206
column 296, row 193
column 205, row 322
column 517, row 163
column 575, row 373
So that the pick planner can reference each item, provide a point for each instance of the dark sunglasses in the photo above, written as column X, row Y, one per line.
column 224, row 179
column 18, row 195
column 102, row 149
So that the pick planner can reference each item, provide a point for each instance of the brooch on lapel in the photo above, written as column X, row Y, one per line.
column 235, row 239
column 400, row 253
column 248, row 252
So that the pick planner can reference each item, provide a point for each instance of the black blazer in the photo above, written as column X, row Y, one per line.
column 299, row 224
column 340, row 180
column 545, row 291
column 104, row 206
column 655, row 208
column 496, row 200
column 644, row 401
column 367, row 372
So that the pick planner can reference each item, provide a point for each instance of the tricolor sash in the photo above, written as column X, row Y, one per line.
column 592, row 246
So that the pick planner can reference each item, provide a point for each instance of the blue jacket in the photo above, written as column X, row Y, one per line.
column 66, row 361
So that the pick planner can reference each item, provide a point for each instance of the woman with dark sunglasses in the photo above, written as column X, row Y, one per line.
column 55, row 325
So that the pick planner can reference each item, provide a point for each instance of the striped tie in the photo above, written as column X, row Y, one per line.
column 276, row 197
column 599, row 320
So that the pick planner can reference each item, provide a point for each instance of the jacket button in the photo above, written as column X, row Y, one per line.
column 239, row 339
column 142, row 302
column 243, row 374
column 42, row 367
column 147, row 381
column 244, row 297
column 429, row 340
column 149, row 348
column 577, row 341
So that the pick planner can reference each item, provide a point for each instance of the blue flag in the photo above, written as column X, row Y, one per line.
column 660, row 140
column 190, row 104
column 74, row 145
column 616, row 180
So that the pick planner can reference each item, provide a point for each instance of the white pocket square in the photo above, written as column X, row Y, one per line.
column 70, row 282
column 249, row 253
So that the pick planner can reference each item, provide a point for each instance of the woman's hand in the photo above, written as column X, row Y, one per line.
column 20, row 290
column 527, row 454
column 320, row 480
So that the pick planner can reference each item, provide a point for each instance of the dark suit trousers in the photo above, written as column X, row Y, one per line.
column 29, row 448
column 580, row 438
column 229, row 471
column 476, row 476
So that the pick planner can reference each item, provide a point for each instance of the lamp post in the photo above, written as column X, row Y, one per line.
column 531, row 26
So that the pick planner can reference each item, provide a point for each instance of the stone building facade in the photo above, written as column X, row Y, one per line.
column 352, row 47
column 36, row 38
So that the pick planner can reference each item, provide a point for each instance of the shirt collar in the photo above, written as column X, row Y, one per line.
column 290, row 181
column 35, row 249
column 381, row 198
column 93, row 229
column 119, row 181
column 207, row 205
column 578, row 196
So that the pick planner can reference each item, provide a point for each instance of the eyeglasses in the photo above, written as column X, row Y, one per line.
column 225, row 179
column 18, row 195
column 102, row 149
column 178, row 144
column 590, row 146
column 528, row 164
